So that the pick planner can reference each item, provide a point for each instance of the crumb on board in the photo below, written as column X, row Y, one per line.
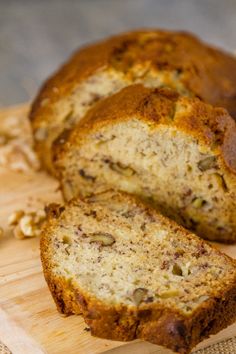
column 87, row 329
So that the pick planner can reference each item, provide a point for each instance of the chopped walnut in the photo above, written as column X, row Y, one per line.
column 26, row 224
column 121, row 169
column 18, row 233
column 103, row 238
column 207, row 163
column 15, row 217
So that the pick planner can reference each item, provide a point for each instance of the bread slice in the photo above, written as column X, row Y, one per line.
column 175, row 152
column 133, row 273
column 156, row 58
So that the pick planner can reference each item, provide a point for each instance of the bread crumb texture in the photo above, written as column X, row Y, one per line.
column 175, row 152
column 133, row 273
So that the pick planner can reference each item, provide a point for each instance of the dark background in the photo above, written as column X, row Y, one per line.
column 37, row 36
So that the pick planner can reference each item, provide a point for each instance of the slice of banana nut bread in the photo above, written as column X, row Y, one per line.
column 157, row 58
column 177, row 152
column 133, row 273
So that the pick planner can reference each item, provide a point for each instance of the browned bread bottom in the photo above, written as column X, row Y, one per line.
column 132, row 273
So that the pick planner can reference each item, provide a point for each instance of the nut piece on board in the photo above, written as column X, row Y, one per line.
column 26, row 224
column 15, row 217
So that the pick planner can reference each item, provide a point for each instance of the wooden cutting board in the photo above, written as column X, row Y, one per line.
column 29, row 322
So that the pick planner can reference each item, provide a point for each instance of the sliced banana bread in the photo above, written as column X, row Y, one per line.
column 177, row 152
column 133, row 273
column 156, row 58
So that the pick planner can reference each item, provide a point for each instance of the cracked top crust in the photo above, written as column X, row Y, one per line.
column 206, row 72
column 155, row 58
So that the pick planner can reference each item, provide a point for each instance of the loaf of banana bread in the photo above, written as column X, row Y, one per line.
column 153, row 57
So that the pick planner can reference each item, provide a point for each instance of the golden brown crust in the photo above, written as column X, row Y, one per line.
column 212, row 127
column 151, row 322
column 207, row 72
column 196, row 68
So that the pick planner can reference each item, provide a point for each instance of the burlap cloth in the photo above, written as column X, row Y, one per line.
column 227, row 346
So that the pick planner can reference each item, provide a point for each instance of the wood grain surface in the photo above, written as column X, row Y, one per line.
column 29, row 322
